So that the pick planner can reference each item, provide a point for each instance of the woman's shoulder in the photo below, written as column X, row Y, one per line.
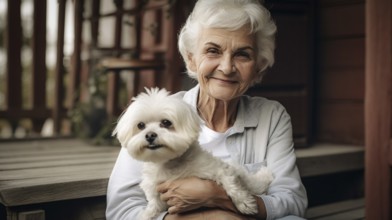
column 258, row 102
column 189, row 96
column 254, row 110
column 179, row 95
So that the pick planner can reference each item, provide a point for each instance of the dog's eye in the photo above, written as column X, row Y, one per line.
column 141, row 125
column 166, row 123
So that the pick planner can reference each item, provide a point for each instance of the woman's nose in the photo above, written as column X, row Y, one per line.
column 227, row 65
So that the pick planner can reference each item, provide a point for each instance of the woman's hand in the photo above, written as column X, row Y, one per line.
column 209, row 214
column 192, row 193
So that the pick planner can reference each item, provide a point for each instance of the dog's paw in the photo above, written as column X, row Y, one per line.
column 244, row 201
column 149, row 213
column 145, row 215
column 265, row 174
column 247, row 206
column 259, row 182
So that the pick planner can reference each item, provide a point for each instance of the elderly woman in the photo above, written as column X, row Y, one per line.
column 227, row 46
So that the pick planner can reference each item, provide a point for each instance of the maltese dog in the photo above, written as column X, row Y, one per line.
column 163, row 131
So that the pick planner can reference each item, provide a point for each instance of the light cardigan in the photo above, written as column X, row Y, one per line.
column 262, row 137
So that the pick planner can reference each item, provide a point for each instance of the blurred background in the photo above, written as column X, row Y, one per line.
column 62, row 58
column 68, row 68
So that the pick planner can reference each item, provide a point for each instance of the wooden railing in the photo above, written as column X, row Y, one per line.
column 14, row 110
column 70, row 80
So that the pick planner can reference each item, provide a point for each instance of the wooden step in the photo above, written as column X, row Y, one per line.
column 325, row 158
column 344, row 210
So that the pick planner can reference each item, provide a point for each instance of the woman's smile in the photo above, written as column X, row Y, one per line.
column 223, row 81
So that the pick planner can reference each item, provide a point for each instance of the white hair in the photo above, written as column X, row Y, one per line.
column 230, row 15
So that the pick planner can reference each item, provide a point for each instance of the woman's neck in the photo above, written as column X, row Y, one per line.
column 219, row 115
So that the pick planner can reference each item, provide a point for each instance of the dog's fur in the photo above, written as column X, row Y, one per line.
column 163, row 131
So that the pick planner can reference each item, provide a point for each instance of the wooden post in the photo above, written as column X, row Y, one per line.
column 74, row 90
column 95, row 5
column 59, row 74
column 13, row 44
column 114, row 79
column 176, row 66
column 39, row 61
column 378, row 100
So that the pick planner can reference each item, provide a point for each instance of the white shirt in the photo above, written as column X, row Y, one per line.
column 215, row 142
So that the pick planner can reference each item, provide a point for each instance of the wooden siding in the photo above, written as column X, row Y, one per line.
column 340, row 82
column 290, row 80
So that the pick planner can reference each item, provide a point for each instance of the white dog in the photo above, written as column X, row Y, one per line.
column 163, row 131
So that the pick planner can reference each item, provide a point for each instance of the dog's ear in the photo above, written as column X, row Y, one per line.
column 189, row 118
column 124, row 129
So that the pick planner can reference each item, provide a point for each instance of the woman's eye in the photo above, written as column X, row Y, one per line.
column 141, row 125
column 166, row 123
column 212, row 51
column 243, row 54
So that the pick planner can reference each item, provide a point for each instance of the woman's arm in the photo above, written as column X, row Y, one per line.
column 193, row 193
column 286, row 194
column 203, row 214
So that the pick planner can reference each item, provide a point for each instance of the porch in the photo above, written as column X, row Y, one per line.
column 67, row 179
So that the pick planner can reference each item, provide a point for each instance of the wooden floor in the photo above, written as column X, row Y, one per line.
column 34, row 172
column 38, row 172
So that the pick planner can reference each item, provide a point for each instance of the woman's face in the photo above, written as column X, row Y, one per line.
column 225, row 62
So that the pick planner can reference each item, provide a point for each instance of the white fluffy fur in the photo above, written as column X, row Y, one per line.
column 175, row 152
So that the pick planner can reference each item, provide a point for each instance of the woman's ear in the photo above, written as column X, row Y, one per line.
column 191, row 62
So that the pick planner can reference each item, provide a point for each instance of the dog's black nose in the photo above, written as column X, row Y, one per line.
column 150, row 137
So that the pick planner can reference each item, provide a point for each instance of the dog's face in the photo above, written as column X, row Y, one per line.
column 157, row 127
